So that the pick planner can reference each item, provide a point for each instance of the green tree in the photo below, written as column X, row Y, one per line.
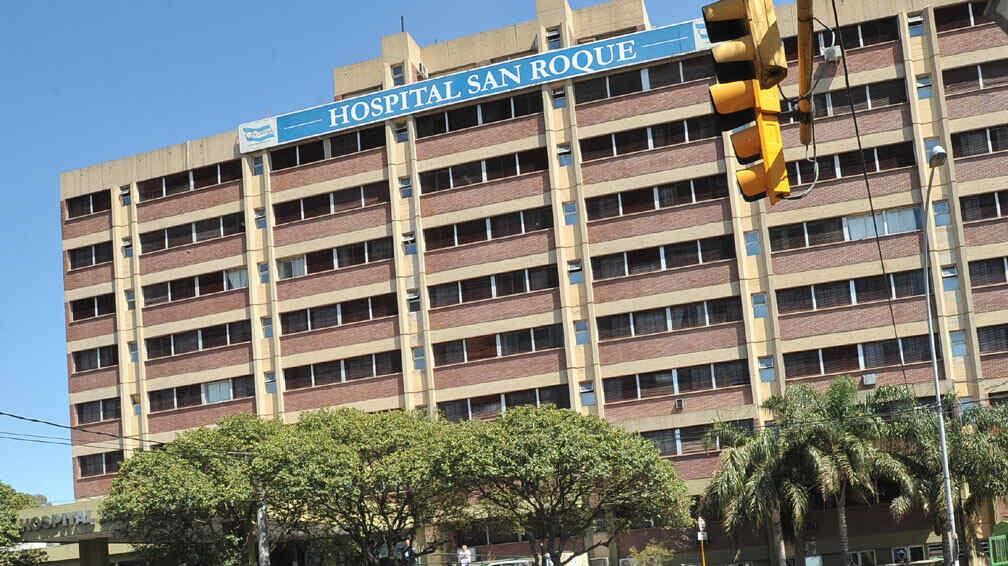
column 977, row 442
column 194, row 500
column 831, row 442
column 653, row 554
column 12, row 501
column 758, row 484
column 369, row 479
column 553, row 474
column 839, row 439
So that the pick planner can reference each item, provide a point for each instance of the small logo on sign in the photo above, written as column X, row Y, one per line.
column 258, row 134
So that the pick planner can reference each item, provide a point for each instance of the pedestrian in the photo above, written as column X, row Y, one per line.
column 408, row 554
column 463, row 556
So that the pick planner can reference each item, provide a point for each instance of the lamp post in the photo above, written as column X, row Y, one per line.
column 702, row 537
column 936, row 159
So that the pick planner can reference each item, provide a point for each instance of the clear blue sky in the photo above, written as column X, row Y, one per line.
column 86, row 82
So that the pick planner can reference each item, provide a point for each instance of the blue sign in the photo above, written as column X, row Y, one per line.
column 586, row 59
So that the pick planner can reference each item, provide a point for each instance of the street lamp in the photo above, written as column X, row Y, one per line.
column 936, row 158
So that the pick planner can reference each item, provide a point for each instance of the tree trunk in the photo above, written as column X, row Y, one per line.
column 841, row 505
column 778, row 552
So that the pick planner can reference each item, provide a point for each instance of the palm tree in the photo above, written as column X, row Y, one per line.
column 830, row 442
column 977, row 443
column 756, row 484
column 839, row 438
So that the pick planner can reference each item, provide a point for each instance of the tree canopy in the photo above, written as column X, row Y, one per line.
column 12, row 501
column 555, row 474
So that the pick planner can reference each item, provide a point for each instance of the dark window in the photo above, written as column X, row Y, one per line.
column 159, row 347
column 89, row 412
column 589, row 90
column 350, row 254
column 150, row 242
column 85, row 360
column 150, row 189
column 387, row 363
column 832, row 294
column 214, row 336
column 916, row 349
column 969, row 143
column 603, row 207
column 242, row 387
column 297, row 377
column 840, row 358
column 717, row 248
column 908, row 283
column 979, row 207
column 177, row 183
column 658, row 383
column 319, row 261
column 499, row 167
column 730, row 374
column 710, row 188
column 878, row 31
column 728, row 309
column 372, row 138
column 664, row 441
column 994, row 73
column 91, row 465
column 310, row 152
column 685, row 316
column 514, row 342
column 664, row 74
column 625, row 83
column 380, row 249
column 324, row 316
column 359, row 367
column 999, row 138
column 894, row 156
column 509, row 283
column 449, row 352
column 240, row 331
column 188, row 396
column 287, row 211
column 283, row 158
column 496, row 110
column 443, row 295
column 436, row 180
column 881, row 353
column 961, row 79
column 613, row 326
column 481, row 347
column 550, row 336
column 702, row 127
column 695, row 378
column 230, row 170
column 430, row 125
column 439, row 237
column 682, row 254
column 796, row 299
column 528, row 103
column 467, row 174
column 184, row 288
column 557, row 396
column 787, row 237
column 476, row 289
column 520, row 398
column 643, row 261
column 596, row 147
column 952, row 17
column 874, row 288
column 987, row 271
column 204, row 176
column 637, row 201
column 185, row 342
column 471, row 231
column 798, row 364
column 532, row 160
column 668, row 134
column 460, row 118
column 162, row 400
column 675, row 194
column 825, row 231
column 537, row 219
column 543, row 278
column 211, row 282
column 355, row 311
column 993, row 338
column 696, row 68
column 604, row 267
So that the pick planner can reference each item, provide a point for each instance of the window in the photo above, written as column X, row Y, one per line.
column 587, row 391
column 766, row 369
column 260, row 218
column 988, row 271
column 982, row 207
column 190, row 180
column 580, row 332
column 405, row 187
column 868, row 355
column 134, row 356
column 495, row 345
column 915, row 23
column 950, row 278
column 257, row 165
column 331, row 203
column 267, row 326
column 498, row 285
column 90, row 255
column 99, row 464
column 419, row 358
column 905, row 554
column 942, row 216
column 691, row 315
column 198, row 286
column 200, row 339
column 881, row 158
column 479, row 114
column 409, row 243
column 95, row 358
column 398, row 75
column 574, row 272
column 564, row 157
column 508, row 165
column 760, row 308
column 125, row 195
column 98, row 411
column 86, row 205
column 501, row 226
column 559, row 96
column 570, row 213
column 651, row 198
column 339, row 371
column 92, row 307
column 991, row 339
column 652, row 137
column 401, row 131
column 958, row 16
column 264, row 273
column 923, row 84
column 752, row 243
column 413, row 300
column 186, row 234
column 553, row 38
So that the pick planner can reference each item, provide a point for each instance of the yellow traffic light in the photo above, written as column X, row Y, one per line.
column 749, row 63
column 750, row 40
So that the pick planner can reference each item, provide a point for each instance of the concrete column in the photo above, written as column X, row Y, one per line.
column 93, row 552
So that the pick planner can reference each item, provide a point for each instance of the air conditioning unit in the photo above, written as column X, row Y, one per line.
column 869, row 379
column 422, row 70
column 680, row 404
column 832, row 54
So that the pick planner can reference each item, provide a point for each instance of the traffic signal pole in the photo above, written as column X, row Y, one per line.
column 804, row 71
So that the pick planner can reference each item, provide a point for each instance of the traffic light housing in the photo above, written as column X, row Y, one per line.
column 749, row 62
